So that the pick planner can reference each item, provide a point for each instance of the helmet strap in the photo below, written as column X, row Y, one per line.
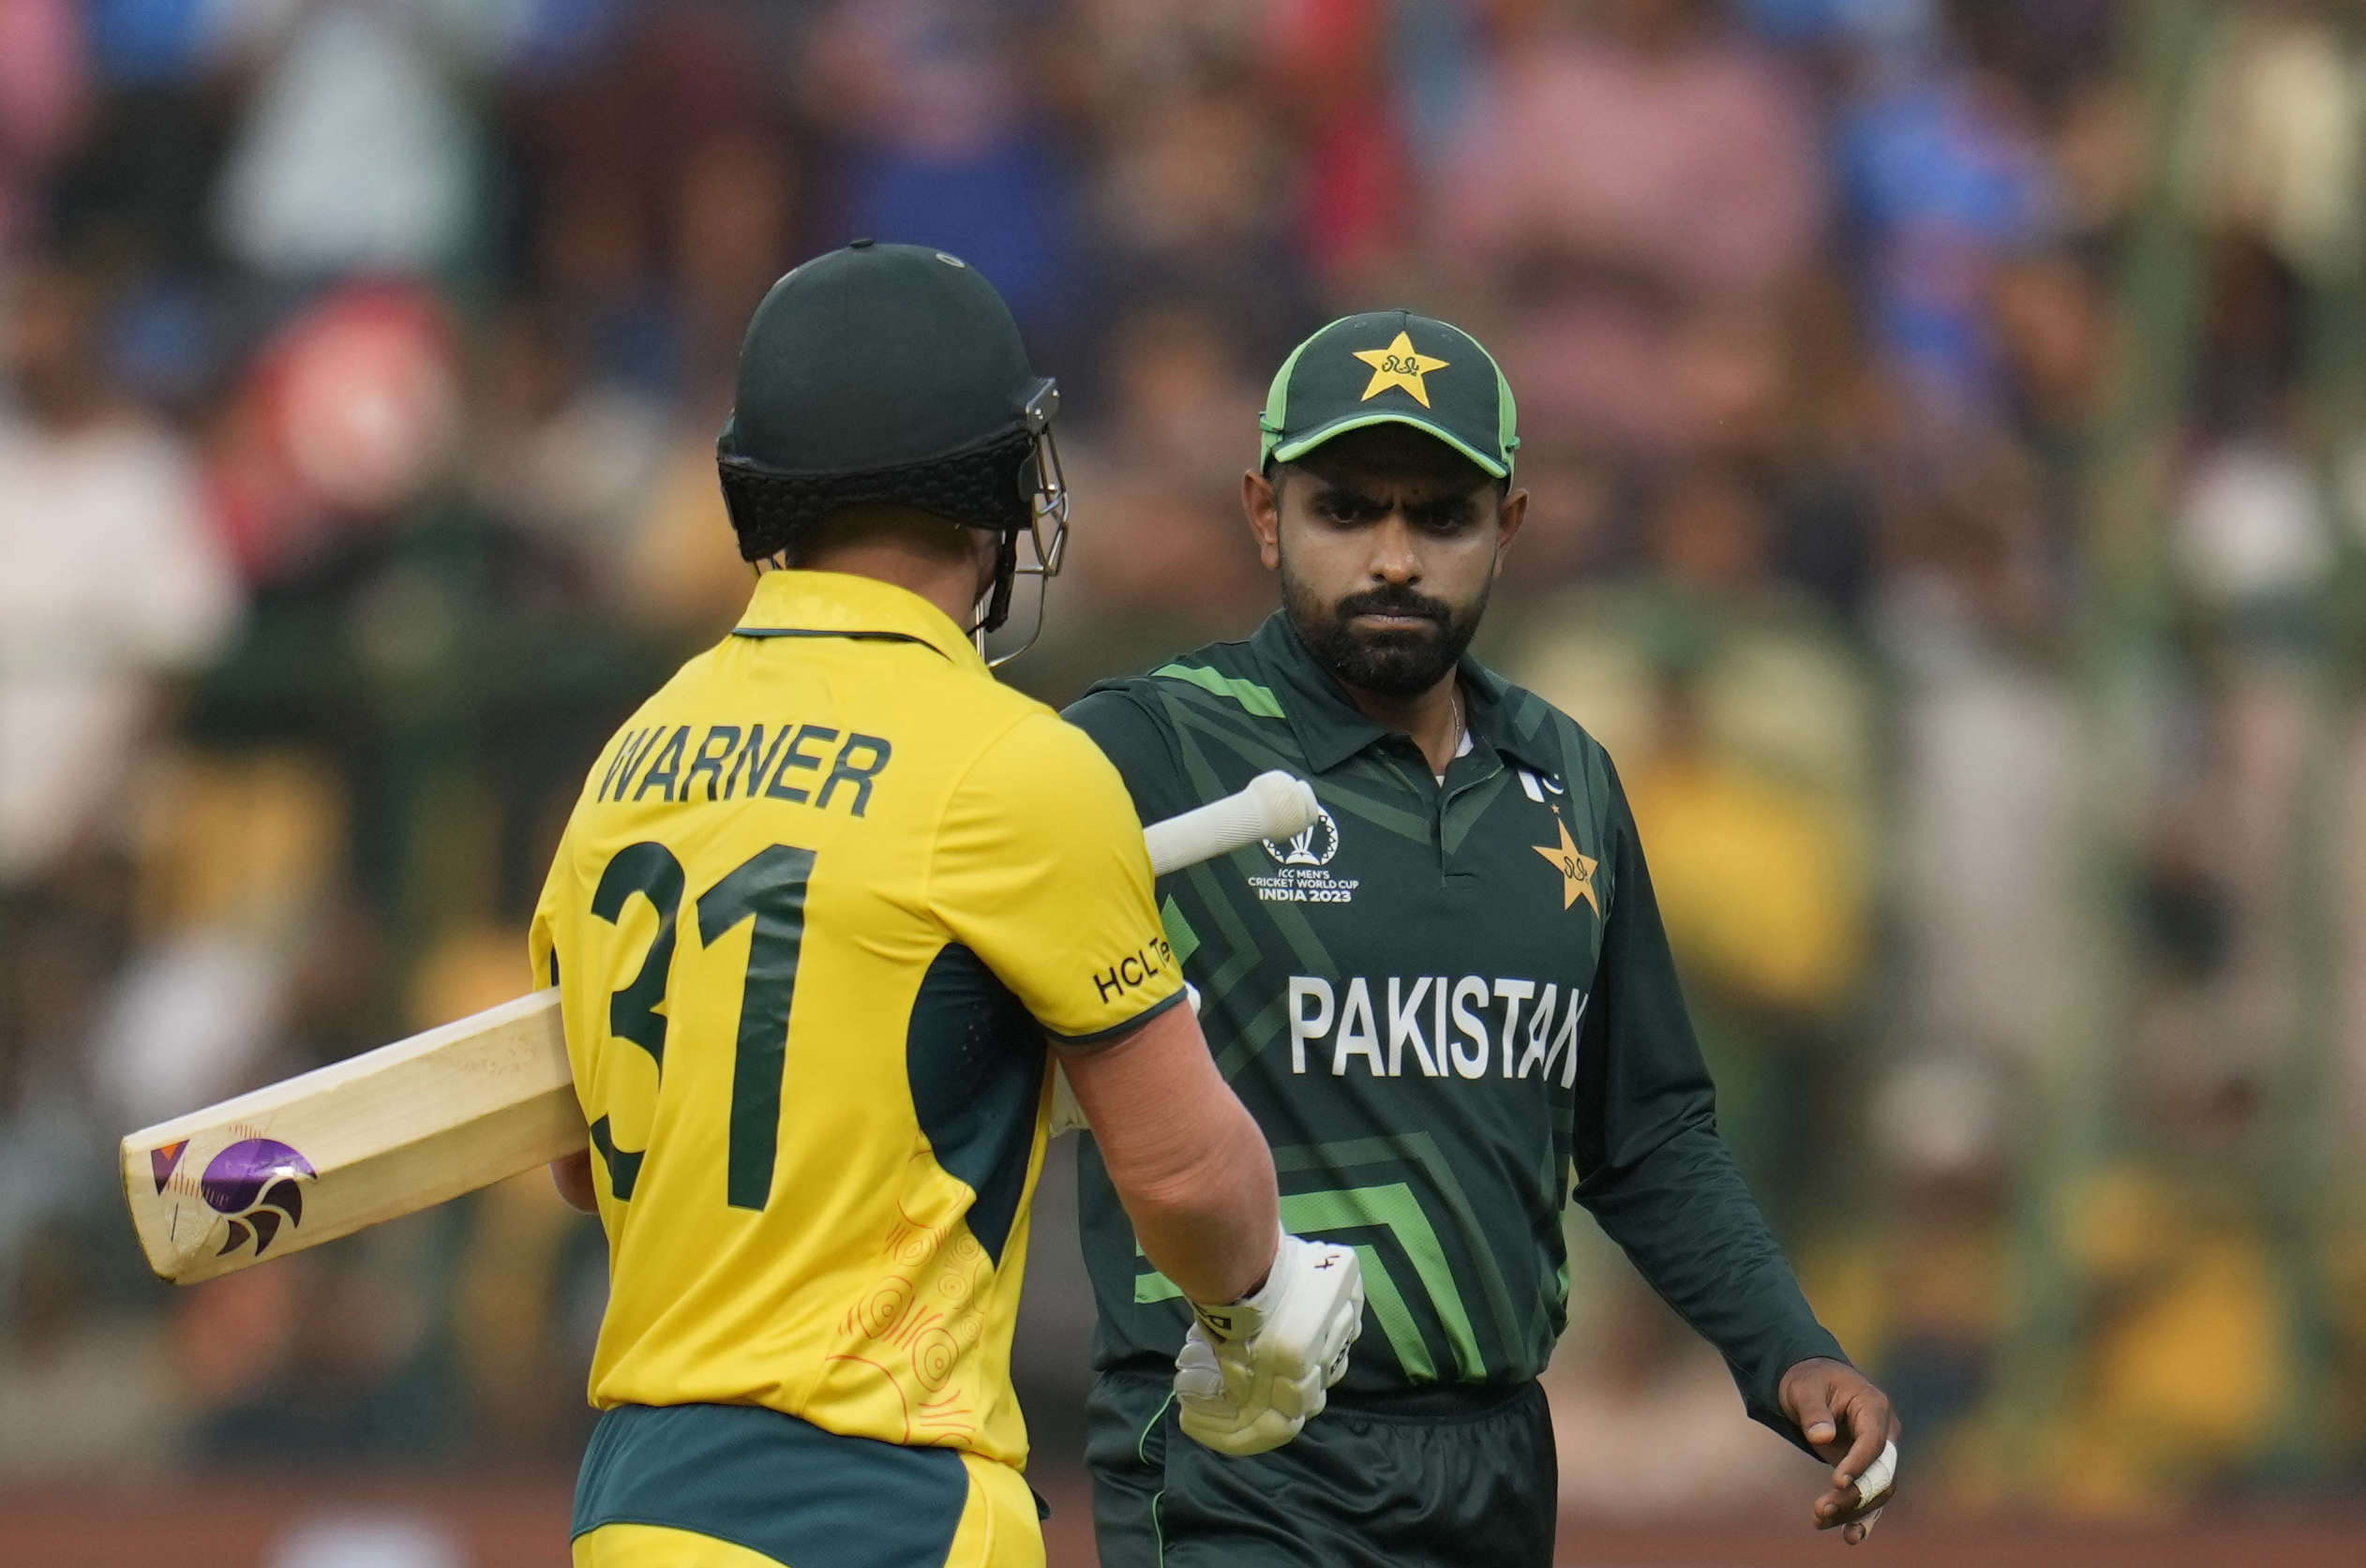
column 995, row 607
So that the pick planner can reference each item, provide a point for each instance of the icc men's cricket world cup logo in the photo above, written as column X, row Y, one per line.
column 1311, row 845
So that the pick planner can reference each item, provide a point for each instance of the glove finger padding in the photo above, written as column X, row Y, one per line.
column 1251, row 1374
column 1197, row 1374
column 1221, row 1407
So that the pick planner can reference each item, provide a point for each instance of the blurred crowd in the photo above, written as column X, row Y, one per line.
column 1946, row 425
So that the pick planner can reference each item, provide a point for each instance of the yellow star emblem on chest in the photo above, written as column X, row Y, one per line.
column 1400, row 364
column 1576, row 871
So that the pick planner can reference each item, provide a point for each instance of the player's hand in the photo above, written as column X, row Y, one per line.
column 572, row 1175
column 1849, row 1423
column 1252, row 1374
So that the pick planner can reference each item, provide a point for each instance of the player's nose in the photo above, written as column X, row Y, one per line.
column 1394, row 558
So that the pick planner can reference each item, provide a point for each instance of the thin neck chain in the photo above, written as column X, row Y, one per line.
column 1454, row 745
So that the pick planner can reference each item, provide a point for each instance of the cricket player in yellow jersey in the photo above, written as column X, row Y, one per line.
column 821, row 905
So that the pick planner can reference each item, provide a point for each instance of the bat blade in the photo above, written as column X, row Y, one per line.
column 329, row 1151
column 413, row 1124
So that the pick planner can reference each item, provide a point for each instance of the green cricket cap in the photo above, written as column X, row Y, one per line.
column 1391, row 367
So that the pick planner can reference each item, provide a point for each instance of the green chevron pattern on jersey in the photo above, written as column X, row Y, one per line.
column 1346, row 1217
column 1405, row 1263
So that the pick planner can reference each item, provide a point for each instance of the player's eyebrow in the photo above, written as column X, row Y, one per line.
column 1347, row 502
column 1447, row 511
column 1350, row 504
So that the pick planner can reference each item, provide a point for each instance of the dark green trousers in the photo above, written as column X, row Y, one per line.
column 1437, row 1479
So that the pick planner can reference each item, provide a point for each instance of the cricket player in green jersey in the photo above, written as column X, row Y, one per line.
column 1444, row 1003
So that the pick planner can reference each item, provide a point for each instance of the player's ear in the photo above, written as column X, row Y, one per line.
column 1261, row 502
column 1509, row 514
column 984, row 559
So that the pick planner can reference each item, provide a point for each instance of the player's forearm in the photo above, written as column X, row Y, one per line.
column 1214, row 1231
column 1686, row 1220
column 1188, row 1161
column 1653, row 1169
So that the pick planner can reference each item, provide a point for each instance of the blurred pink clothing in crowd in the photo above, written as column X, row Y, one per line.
column 41, row 102
column 1610, row 199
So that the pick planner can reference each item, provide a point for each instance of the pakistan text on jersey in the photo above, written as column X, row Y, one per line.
column 738, row 761
column 1542, row 1043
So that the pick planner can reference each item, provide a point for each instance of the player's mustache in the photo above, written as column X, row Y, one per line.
column 1399, row 601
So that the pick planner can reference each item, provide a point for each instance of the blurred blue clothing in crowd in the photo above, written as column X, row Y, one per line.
column 1005, row 210
column 939, row 111
column 1873, row 23
column 550, row 37
column 1940, row 181
column 1439, row 54
column 162, row 341
column 148, row 42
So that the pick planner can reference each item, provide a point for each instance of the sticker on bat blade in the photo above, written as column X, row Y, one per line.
column 253, row 1184
column 164, row 1161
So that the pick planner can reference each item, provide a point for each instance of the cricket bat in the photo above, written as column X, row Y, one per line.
column 426, row 1119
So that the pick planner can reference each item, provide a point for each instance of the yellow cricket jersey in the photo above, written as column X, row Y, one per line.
column 818, row 906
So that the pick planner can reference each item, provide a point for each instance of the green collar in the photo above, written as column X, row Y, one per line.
column 1330, row 728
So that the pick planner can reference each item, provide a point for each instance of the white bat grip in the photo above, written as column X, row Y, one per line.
column 1274, row 806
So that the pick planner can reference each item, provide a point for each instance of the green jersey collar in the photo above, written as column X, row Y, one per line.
column 1330, row 728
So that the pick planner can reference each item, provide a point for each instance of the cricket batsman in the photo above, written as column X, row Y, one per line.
column 823, row 905
column 1442, row 1003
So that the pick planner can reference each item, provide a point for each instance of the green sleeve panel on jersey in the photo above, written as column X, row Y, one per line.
column 1179, row 935
column 1652, row 1169
column 1253, row 697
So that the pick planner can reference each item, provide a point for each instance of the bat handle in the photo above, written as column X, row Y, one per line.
column 1273, row 806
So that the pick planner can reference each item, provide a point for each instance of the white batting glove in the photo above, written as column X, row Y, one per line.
column 1253, row 1373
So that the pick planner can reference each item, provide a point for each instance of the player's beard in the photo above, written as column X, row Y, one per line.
column 1386, row 664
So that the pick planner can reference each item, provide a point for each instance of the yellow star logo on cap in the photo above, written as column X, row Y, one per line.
column 1399, row 364
column 1576, row 871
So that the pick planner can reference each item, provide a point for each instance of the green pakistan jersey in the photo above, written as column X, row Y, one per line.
column 1442, row 1002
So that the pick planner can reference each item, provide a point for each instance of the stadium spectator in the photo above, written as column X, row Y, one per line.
column 110, row 579
column 1618, row 175
column 940, row 143
column 42, row 104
